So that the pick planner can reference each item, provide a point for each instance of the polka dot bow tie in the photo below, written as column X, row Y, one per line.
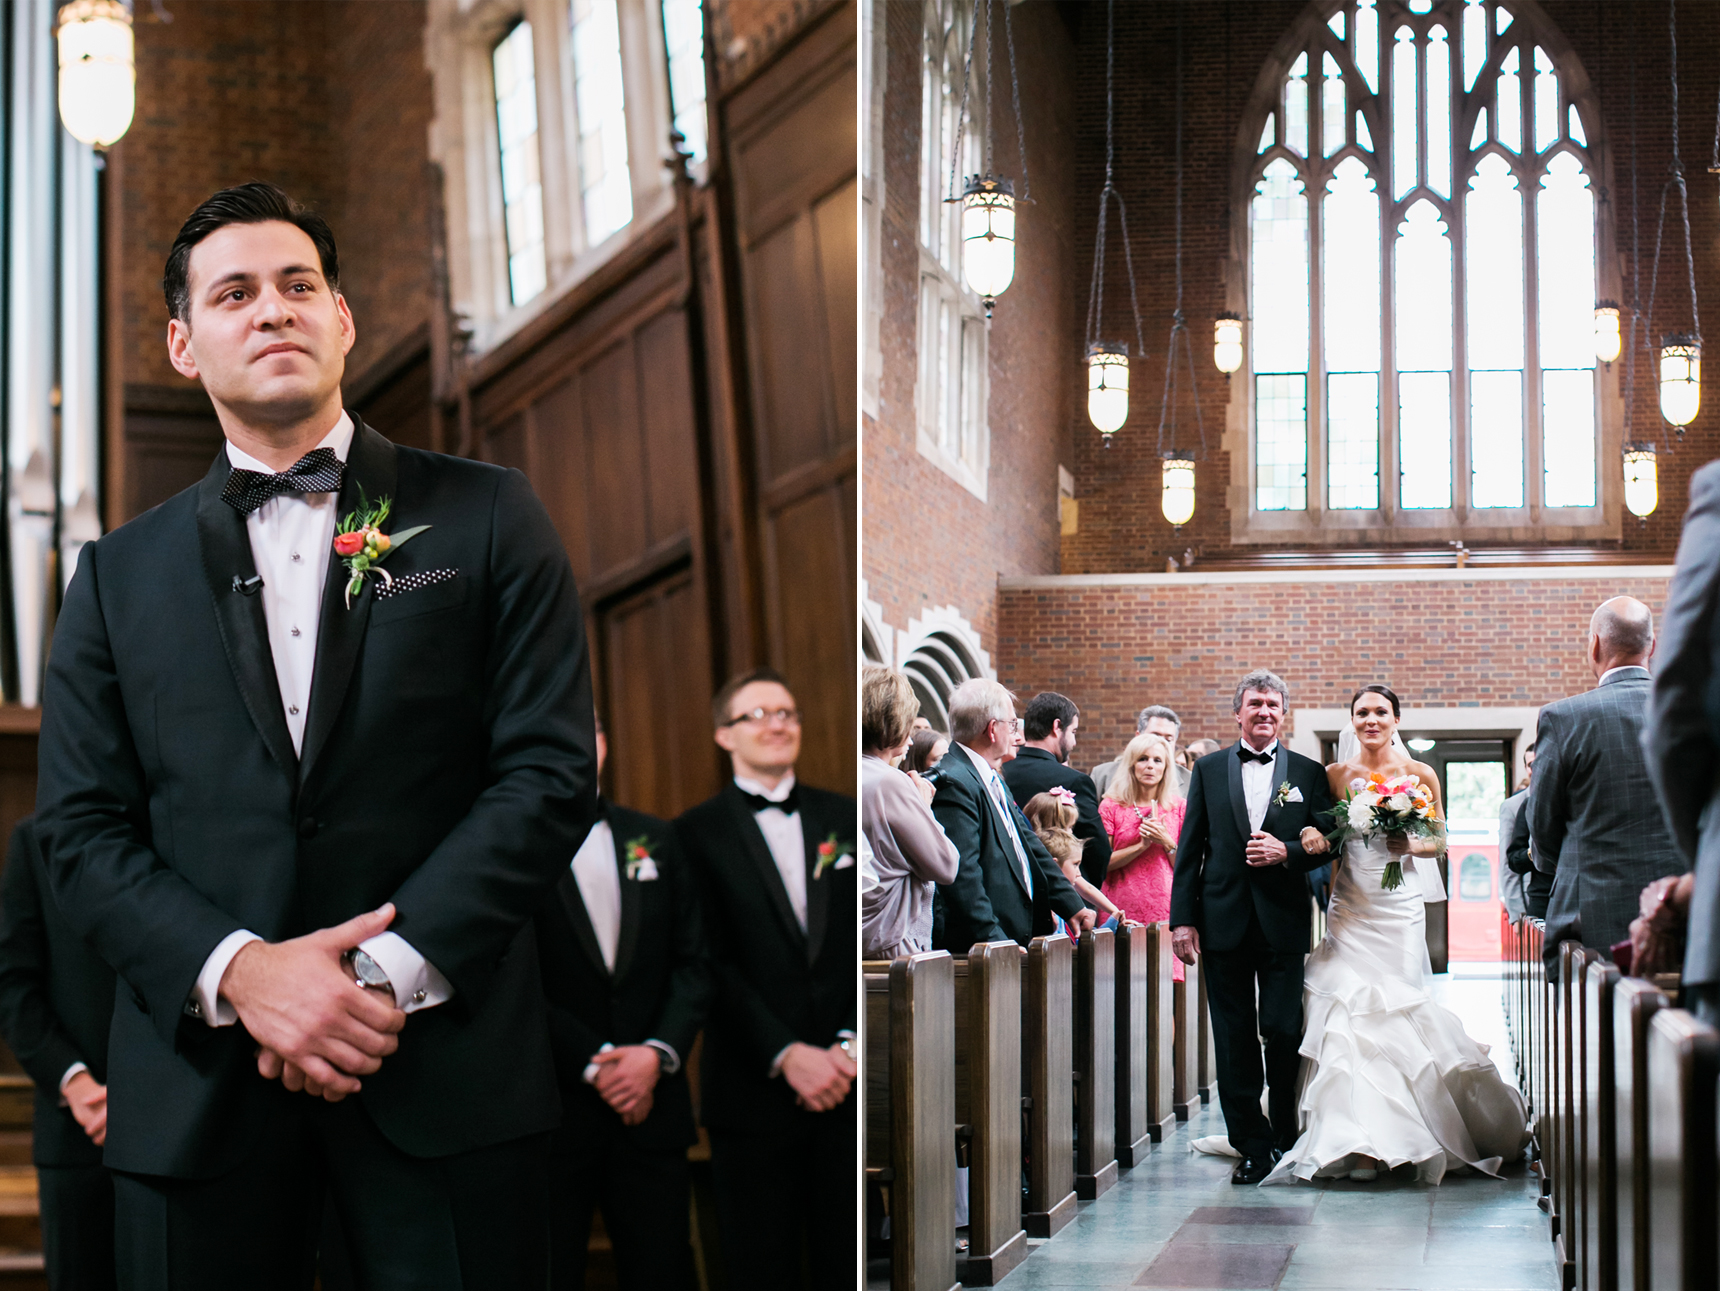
column 318, row 471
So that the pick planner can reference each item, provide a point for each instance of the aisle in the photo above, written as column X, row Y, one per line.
column 1176, row 1220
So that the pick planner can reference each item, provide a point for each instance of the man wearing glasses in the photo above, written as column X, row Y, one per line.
column 777, row 859
column 1007, row 886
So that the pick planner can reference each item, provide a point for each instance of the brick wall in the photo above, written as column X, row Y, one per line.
column 928, row 541
column 1184, row 640
column 330, row 101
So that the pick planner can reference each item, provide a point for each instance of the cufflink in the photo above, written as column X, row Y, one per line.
column 193, row 1009
column 418, row 997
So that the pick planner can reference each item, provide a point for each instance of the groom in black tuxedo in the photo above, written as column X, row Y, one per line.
column 308, row 822
column 1239, row 897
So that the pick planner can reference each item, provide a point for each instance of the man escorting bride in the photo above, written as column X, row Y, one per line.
column 1387, row 1076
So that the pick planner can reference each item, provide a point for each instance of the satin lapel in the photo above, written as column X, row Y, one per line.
column 577, row 916
column 814, row 832
column 226, row 547
column 1238, row 803
column 1280, row 773
column 631, row 900
column 370, row 467
column 752, row 841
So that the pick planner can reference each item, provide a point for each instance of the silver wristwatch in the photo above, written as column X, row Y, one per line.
column 366, row 972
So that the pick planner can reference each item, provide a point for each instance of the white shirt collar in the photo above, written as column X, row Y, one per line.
column 1623, row 667
column 1271, row 748
column 778, row 794
column 986, row 770
column 339, row 439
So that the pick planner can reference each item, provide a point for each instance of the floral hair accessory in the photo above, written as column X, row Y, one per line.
column 1063, row 795
column 362, row 546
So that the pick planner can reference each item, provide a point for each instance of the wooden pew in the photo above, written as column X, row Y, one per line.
column 1135, row 946
column 1205, row 1059
column 988, row 1103
column 1635, row 1002
column 910, row 1113
column 1573, row 961
column 1185, row 1042
column 1048, row 1071
column 1683, row 1066
column 1095, row 1064
column 1599, row 1259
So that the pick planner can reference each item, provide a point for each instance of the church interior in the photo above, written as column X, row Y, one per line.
column 1353, row 339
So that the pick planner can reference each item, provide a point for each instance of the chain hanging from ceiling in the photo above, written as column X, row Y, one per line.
column 988, row 199
column 1178, row 469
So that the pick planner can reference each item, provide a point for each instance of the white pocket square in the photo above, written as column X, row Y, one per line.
column 846, row 863
column 1295, row 795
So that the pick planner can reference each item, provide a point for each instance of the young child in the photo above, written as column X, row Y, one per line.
column 1052, row 815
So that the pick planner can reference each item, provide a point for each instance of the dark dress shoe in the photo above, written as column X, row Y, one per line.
column 1251, row 1170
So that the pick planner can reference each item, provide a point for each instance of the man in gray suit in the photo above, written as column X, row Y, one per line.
column 1592, row 814
column 1683, row 736
column 1160, row 721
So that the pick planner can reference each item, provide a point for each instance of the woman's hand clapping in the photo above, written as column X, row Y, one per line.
column 1153, row 831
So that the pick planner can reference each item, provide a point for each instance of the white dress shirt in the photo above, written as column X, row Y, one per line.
column 1257, row 783
column 292, row 538
column 785, row 838
column 1000, row 801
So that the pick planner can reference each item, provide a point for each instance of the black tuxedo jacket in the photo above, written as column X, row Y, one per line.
column 448, row 766
column 56, row 1000
column 989, row 901
column 660, row 989
column 1033, row 771
column 1214, row 887
column 775, row 983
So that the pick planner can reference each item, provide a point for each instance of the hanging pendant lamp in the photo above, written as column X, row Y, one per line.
column 1641, row 487
column 98, row 77
column 1680, row 353
column 1608, row 342
column 1227, row 342
column 1680, row 379
column 988, row 199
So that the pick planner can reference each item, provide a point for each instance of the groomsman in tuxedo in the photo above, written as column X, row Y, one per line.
column 1007, row 887
column 628, row 981
column 1239, row 899
column 56, row 1000
column 1042, row 763
column 305, row 792
column 1596, row 826
column 777, row 859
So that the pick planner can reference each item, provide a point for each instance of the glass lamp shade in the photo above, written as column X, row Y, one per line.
column 98, row 80
column 1607, row 342
column 1177, row 500
column 988, row 236
column 1641, row 488
column 1107, row 386
column 1680, row 379
column 1227, row 343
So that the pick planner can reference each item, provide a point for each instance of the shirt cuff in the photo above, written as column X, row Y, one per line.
column 776, row 1062
column 206, row 1001
column 66, row 1079
column 671, row 1059
column 589, row 1075
column 417, row 984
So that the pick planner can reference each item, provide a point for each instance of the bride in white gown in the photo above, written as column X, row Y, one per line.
column 1388, row 1077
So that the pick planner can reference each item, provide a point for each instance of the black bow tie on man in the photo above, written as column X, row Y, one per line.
column 318, row 471
column 788, row 806
column 1249, row 755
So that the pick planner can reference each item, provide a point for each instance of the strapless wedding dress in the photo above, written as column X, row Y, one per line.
column 1386, row 1072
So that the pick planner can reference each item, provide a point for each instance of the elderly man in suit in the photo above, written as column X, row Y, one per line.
column 1158, row 720
column 1007, row 887
column 1593, row 818
column 1683, row 741
column 1042, row 763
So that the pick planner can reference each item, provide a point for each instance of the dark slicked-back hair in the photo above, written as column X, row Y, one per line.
column 253, row 203
column 734, row 685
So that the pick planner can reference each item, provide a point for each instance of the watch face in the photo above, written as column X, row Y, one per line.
column 368, row 970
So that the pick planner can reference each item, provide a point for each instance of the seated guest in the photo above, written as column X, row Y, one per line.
column 627, row 981
column 909, row 852
column 1157, row 720
column 925, row 751
column 1007, row 887
column 777, row 1071
column 1143, row 814
column 1053, row 816
column 1514, row 882
column 1596, row 826
column 56, row 1002
column 1048, row 731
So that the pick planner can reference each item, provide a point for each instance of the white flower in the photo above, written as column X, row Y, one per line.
column 1398, row 802
column 1358, row 784
column 1360, row 812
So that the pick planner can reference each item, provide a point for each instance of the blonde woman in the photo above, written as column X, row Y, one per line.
column 1143, row 815
column 1052, row 815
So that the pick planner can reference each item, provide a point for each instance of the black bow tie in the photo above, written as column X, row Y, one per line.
column 1249, row 755
column 788, row 806
column 318, row 471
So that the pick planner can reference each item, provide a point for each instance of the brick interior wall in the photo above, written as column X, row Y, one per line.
column 1449, row 643
column 927, row 540
column 330, row 101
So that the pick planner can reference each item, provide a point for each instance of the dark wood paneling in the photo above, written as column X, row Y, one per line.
column 397, row 401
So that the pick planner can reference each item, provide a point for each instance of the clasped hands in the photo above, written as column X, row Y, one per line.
column 316, row 1028
column 820, row 1078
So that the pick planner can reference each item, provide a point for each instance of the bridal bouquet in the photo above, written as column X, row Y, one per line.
column 1399, row 805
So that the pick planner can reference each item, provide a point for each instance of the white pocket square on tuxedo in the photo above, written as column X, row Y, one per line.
column 1295, row 795
column 845, row 863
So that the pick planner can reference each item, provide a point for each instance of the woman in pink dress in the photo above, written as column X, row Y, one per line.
column 1143, row 816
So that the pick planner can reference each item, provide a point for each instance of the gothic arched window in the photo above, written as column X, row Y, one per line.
column 1422, row 273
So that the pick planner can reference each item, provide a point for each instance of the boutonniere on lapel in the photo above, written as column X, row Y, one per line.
column 362, row 546
column 831, row 855
column 640, row 867
column 1287, row 792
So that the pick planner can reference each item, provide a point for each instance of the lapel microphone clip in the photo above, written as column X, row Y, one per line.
column 248, row 586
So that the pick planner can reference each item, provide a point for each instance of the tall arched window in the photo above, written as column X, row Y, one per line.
column 1421, row 275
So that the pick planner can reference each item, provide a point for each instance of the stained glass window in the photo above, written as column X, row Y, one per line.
column 1419, row 201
